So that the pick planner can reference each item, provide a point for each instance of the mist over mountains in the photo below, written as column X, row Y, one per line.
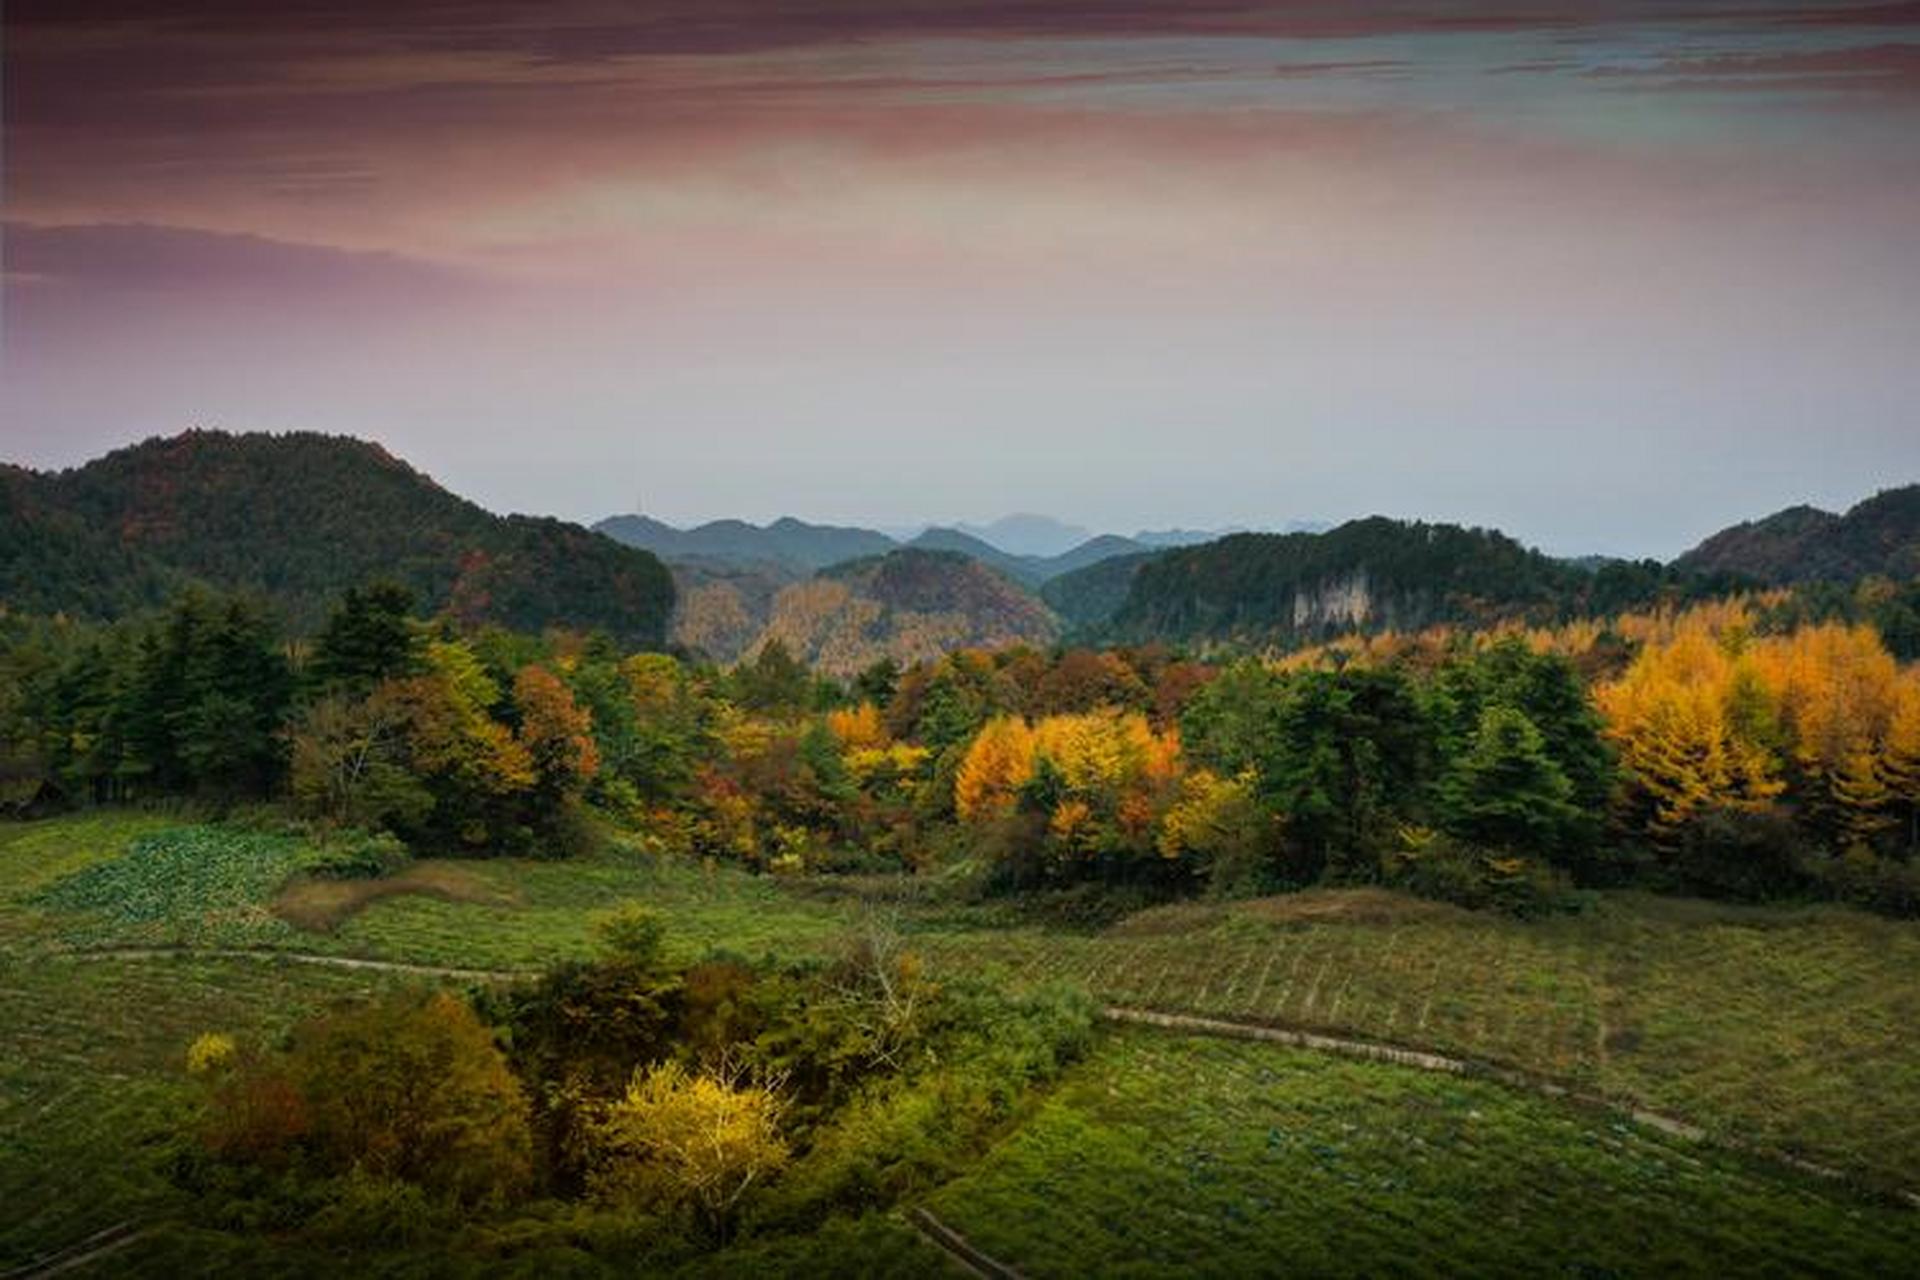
column 1027, row 547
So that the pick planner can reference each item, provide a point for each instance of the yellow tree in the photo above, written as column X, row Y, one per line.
column 677, row 1139
column 996, row 766
column 1900, row 756
column 1836, row 687
column 1671, row 715
column 555, row 729
column 859, row 727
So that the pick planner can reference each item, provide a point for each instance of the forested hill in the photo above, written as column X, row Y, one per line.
column 1880, row 536
column 1364, row 575
column 299, row 517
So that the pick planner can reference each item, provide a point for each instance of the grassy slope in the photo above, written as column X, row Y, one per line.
column 1171, row 1156
column 1749, row 1022
column 1788, row 1027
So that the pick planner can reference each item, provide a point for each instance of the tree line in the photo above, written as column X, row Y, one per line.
column 1735, row 748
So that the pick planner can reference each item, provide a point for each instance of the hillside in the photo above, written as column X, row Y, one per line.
column 1805, row 544
column 1365, row 574
column 1090, row 595
column 298, row 518
column 907, row 604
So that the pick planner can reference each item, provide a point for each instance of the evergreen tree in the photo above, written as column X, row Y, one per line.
column 369, row 637
column 1350, row 753
column 1507, row 792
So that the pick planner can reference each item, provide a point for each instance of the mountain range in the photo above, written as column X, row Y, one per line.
column 298, row 517
column 799, row 548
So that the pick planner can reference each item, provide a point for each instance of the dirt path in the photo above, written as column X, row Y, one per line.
column 294, row 957
column 958, row 1247
column 79, row 1254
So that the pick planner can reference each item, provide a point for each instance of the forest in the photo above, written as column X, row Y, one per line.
column 1735, row 748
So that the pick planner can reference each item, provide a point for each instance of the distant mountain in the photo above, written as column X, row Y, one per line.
column 1195, row 537
column 1026, row 534
column 793, row 543
column 909, row 604
column 1024, row 569
column 1182, row 537
column 1804, row 544
column 789, row 550
column 1091, row 552
column 299, row 517
column 1030, row 570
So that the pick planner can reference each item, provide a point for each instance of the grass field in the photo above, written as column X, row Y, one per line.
column 1171, row 1156
column 1780, row 1027
column 1785, row 1028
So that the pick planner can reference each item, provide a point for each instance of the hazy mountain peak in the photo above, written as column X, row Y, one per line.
column 1028, row 534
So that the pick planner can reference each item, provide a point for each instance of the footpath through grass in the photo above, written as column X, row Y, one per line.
column 1166, row 1155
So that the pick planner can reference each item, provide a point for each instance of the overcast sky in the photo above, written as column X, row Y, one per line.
column 1606, row 276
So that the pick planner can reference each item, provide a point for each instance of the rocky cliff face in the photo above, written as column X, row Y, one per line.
column 1335, row 603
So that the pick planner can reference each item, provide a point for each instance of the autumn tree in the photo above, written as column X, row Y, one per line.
column 1685, row 746
column 349, row 765
column 400, row 1088
column 683, row 1140
column 557, row 733
column 1218, row 828
column 1900, row 762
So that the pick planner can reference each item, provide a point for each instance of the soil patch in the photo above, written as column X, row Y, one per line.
column 322, row 906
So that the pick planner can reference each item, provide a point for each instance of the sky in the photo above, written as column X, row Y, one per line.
column 1608, row 276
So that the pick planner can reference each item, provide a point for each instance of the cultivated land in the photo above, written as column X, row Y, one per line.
column 1779, row 1030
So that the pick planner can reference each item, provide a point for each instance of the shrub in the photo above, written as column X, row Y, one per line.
column 1445, row 869
column 1738, row 852
column 907, row 1131
column 1878, row 883
column 360, row 856
column 397, row 1089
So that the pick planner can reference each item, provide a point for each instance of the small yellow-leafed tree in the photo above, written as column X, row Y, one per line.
column 210, row 1051
column 858, row 728
column 681, row 1140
